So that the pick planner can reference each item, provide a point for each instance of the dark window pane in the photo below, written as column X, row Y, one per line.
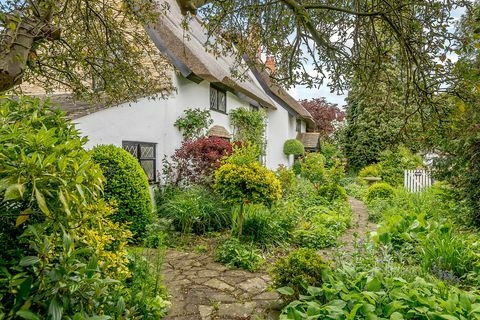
column 222, row 101
column 149, row 168
column 131, row 148
column 213, row 98
column 147, row 151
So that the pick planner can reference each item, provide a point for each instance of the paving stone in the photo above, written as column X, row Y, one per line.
column 202, row 289
column 253, row 286
column 216, row 267
column 208, row 273
column 267, row 295
column 218, row 284
column 200, row 280
column 179, row 283
column 205, row 312
column 221, row 297
column 236, row 310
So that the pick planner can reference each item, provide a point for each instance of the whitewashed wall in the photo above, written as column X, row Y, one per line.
column 281, row 127
column 152, row 121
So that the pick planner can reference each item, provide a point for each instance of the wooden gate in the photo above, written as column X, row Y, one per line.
column 417, row 180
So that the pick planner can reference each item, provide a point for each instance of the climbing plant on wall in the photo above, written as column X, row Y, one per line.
column 249, row 126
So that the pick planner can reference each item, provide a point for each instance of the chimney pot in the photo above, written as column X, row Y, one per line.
column 270, row 64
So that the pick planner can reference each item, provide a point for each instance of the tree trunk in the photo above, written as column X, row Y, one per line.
column 17, row 45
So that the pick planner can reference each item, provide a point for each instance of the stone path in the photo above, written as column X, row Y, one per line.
column 358, row 231
column 202, row 289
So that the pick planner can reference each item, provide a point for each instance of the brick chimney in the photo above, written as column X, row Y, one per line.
column 270, row 64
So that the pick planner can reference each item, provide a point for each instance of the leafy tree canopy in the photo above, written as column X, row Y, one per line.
column 315, row 40
column 70, row 44
column 325, row 114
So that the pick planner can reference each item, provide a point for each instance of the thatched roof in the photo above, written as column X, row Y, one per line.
column 187, row 50
column 219, row 131
column 278, row 93
column 311, row 140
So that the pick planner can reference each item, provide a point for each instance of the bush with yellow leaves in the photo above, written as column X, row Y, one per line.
column 241, row 184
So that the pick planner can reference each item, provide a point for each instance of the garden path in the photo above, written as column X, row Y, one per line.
column 360, row 227
column 202, row 289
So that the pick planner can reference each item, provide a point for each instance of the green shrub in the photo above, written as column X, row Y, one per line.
column 305, row 195
column 297, row 167
column 249, row 126
column 62, row 256
column 333, row 192
column 297, row 271
column 145, row 285
column 379, row 191
column 353, row 291
column 356, row 190
column 195, row 209
column 316, row 237
column 312, row 167
column 243, row 184
column 287, row 179
column 127, row 185
column 194, row 123
column 156, row 233
column 331, row 152
column 335, row 173
column 372, row 170
column 235, row 254
column 393, row 164
column 243, row 154
column 448, row 255
column 265, row 227
column 293, row 147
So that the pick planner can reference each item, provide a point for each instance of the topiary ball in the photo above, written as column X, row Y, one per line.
column 299, row 268
column 293, row 146
column 247, row 183
column 127, row 185
column 332, row 192
column 379, row 191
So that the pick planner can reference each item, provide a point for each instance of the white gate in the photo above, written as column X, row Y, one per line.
column 417, row 180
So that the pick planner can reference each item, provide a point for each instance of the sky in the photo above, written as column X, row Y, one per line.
column 302, row 92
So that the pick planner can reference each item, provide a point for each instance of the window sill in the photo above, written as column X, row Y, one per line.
column 219, row 111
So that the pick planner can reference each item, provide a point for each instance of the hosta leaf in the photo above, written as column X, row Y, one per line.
column 287, row 291
column 396, row 316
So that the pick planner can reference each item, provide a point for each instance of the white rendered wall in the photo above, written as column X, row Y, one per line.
column 152, row 121
column 281, row 127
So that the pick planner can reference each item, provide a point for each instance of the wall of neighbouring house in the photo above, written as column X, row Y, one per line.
column 152, row 121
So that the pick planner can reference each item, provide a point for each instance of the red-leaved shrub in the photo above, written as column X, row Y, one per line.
column 195, row 161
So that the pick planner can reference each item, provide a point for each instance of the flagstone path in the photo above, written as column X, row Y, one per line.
column 202, row 289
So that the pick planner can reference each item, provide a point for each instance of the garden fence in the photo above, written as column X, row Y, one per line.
column 417, row 180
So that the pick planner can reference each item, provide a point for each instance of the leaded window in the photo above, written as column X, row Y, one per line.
column 146, row 154
column 218, row 99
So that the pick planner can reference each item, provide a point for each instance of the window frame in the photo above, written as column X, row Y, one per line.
column 217, row 90
column 138, row 145
column 298, row 126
